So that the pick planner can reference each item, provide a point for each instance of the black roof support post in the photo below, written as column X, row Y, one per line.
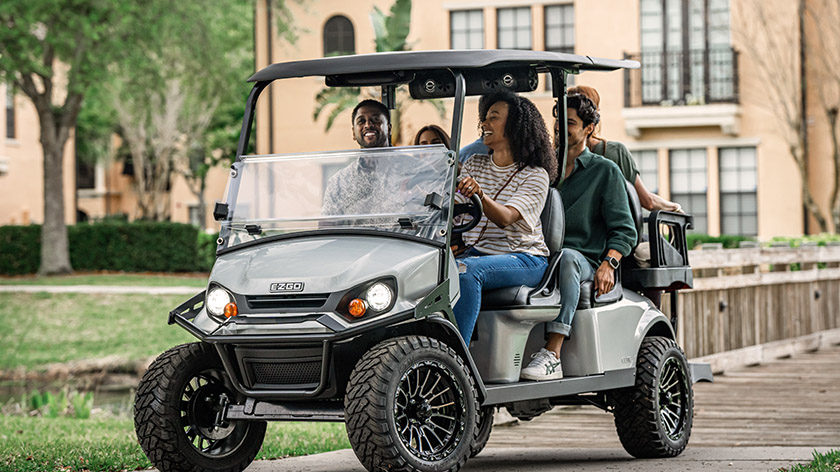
column 248, row 119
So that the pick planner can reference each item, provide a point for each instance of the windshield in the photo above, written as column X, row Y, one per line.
column 402, row 189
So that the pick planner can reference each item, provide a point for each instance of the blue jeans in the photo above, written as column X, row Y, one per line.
column 478, row 271
column 573, row 268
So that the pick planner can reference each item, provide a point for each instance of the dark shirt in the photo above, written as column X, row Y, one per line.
column 597, row 210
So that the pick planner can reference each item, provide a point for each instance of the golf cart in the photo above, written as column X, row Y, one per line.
column 343, row 311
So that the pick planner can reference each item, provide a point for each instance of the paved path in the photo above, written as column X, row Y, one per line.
column 522, row 459
column 756, row 418
column 115, row 289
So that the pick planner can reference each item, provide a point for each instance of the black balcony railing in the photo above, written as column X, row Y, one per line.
column 694, row 77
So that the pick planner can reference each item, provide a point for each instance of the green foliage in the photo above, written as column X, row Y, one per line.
column 131, row 247
column 822, row 239
column 391, row 31
column 206, row 250
column 72, row 404
column 729, row 241
column 20, row 249
column 82, row 405
column 828, row 462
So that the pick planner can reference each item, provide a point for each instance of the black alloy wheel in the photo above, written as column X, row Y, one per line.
column 411, row 405
column 178, row 414
column 654, row 417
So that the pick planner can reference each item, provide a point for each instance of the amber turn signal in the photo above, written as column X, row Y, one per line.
column 357, row 307
column 231, row 310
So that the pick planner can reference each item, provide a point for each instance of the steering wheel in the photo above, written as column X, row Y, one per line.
column 473, row 208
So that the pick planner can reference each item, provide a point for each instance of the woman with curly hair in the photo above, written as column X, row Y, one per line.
column 506, row 248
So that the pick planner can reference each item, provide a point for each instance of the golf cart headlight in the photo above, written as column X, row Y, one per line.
column 379, row 296
column 216, row 301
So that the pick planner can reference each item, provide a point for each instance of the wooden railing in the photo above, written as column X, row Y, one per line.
column 747, row 297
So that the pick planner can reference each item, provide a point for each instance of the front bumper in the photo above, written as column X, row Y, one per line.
column 285, row 366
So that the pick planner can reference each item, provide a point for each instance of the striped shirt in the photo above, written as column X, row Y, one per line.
column 526, row 192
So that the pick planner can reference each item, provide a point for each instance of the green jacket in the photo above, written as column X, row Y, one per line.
column 597, row 210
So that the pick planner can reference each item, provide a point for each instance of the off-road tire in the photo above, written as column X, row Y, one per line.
column 485, row 426
column 654, row 418
column 159, row 405
column 377, row 399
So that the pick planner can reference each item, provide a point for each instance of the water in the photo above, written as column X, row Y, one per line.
column 117, row 398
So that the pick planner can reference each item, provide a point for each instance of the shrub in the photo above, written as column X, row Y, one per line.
column 20, row 249
column 730, row 241
column 206, row 250
column 130, row 247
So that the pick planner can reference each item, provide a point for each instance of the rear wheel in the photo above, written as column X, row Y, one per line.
column 411, row 406
column 177, row 414
column 654, row 418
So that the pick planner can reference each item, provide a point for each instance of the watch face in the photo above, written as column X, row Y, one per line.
column 613, row 262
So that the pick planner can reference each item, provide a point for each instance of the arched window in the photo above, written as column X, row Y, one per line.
column 339, row 38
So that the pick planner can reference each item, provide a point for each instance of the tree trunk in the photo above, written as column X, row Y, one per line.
column 832, row 113
column 55, row 253
column 807, row 198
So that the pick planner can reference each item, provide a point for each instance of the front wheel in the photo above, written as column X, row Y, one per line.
column 177, row 414
column 653, row 418
column 411, row 406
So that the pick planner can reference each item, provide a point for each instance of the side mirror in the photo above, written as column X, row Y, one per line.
column 220, row 211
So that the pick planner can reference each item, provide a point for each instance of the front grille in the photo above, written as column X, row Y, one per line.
column 287, row 373
column 286, row 302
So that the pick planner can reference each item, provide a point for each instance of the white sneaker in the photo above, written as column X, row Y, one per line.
column 545, row 366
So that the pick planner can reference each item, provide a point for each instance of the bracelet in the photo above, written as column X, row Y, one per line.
column 481, row 195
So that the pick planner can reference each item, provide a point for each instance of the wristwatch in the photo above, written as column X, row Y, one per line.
column 612, row 261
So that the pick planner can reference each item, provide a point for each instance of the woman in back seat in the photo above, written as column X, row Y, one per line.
column 618, row 153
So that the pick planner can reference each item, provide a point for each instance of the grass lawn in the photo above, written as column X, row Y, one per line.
column 109, row 444
column 160, row 280
column 828, row 462
column 42, row 328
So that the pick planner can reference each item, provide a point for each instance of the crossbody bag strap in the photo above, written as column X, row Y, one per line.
column 481, row 234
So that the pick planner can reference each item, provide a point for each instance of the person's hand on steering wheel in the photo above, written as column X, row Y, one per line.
column 469, row 187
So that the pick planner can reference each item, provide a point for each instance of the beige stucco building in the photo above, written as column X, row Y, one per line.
column 696, row 115
column 22, row 164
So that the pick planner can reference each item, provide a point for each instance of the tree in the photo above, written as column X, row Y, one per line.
column 167, row 97
column 823, row 47
column 53, row 51
column 776, row 45
column 391, row 33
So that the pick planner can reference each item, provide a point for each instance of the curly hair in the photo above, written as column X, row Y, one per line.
column 593, row 95
column 585, row 108
column 525, row 130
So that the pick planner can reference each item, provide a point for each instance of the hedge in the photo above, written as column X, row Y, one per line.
column 129, row 247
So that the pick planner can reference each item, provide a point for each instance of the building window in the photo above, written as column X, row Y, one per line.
column 648, row 165
column 560, row 28
column 686, row 54
column 466, row 29
column 85, row 174
column 688, row 184
column 195, row 216
column 738, row 185
column 10, row 112
column 514, row 28
column 339, row 38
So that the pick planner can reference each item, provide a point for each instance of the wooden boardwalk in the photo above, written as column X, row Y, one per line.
column 787, row 402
